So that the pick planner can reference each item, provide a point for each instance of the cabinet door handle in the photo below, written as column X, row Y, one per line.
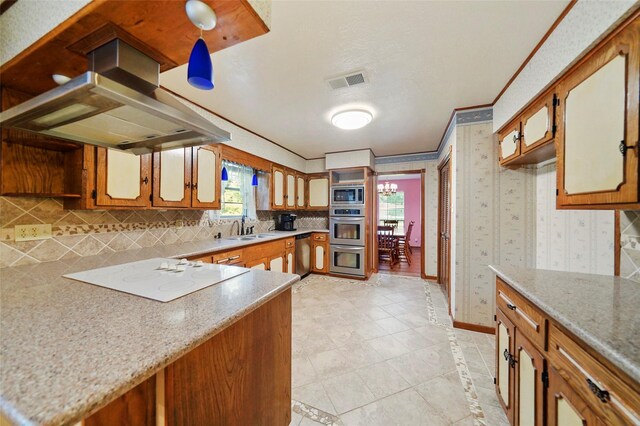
column 510, row 358
column 512, row 307
column 601, row 394
column 145, row 180
column 187, row 185
column 194, row 185
column 624, row 148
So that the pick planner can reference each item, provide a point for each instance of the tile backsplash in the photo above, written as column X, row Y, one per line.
column 630, row 245
column 90, row 232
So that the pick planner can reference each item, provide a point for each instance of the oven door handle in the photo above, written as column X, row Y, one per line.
column 346, row 248
column 347, row 219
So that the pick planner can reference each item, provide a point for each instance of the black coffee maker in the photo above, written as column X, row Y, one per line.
column 285, row 222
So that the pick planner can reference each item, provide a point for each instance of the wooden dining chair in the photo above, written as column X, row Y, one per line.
column 404, row 245
column 388, row 249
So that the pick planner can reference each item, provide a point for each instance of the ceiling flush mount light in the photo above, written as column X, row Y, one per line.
column 200, row 68
column 351, row 119
column 387, row 189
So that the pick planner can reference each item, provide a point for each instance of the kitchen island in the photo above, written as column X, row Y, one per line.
column 568, row 342
column 70, row 349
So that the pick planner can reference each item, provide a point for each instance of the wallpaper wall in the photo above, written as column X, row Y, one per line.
column 494, row 221
column 571, row 240
column 630, row 245
column 90, row 232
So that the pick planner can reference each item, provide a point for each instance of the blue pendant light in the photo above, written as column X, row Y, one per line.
column 200, row 68
column 254, row 179
column 225, row 174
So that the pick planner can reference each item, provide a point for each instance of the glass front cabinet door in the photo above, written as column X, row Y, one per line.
column 597, row 132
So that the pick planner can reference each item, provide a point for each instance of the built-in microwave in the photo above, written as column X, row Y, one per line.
column 341, row 195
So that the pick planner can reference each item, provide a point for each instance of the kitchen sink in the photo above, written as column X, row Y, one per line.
column 265, row 235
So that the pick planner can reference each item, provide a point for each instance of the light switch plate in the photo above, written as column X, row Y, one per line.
column 33, row 232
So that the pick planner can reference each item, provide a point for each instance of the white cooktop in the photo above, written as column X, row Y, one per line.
column 159, row 279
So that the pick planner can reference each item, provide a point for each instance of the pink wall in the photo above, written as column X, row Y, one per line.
column 412, row 200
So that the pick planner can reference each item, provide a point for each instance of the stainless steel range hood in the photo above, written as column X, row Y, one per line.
column 117, row 104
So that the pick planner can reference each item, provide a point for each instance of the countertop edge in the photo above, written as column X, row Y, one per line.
column 621, row 363
column 88, row 409
column 74, row 414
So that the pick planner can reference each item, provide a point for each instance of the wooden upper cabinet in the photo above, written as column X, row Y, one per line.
column 597, row 137
column 538, row 124
column 172, row 178
column 122, row 179
column 206, row 182
column 290, row 197
column 509, row 142
column 318, row 192
column 187, row 177
column 278, row 188
column 301, row 191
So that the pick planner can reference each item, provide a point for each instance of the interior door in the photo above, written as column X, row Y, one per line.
column 207, row 164
column 172, row 178
column 123, row 179
column 444, row 226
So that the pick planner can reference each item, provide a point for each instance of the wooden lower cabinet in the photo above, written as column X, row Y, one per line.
column 290, row 260
column 566, row 408
column 240, row 376
column 319, row 257
column 257, row 264
column 529, row 383
column 277, row 263
column 505, row 379
column 278, row 255
column 544, row 376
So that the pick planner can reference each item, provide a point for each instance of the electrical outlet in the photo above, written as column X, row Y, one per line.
column 32, row 232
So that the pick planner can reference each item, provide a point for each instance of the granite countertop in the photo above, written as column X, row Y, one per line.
column 600, row 310
column 67, row 348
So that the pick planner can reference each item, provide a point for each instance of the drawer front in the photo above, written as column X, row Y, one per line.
column 205, row 259
column 227, row 257
column 290, row 242
column 527, row 319
column 319, row 237
column 611, row 399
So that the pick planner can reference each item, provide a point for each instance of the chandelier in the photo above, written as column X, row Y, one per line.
column 387, row 189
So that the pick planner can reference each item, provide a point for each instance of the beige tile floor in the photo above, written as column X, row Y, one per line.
column 383, row 352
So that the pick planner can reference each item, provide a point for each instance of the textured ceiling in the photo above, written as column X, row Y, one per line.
column 423, row 58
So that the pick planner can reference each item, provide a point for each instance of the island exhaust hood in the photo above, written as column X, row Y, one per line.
column 116, row 104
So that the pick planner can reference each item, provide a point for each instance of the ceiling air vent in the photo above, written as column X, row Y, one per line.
column 348, row 80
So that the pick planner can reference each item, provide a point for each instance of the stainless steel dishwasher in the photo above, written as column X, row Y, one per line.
column 303, row 254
